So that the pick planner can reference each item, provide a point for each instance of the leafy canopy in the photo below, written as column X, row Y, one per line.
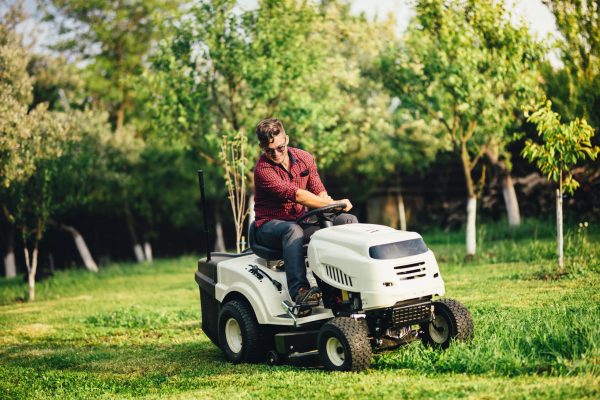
column 465, row 68
column 563, row 145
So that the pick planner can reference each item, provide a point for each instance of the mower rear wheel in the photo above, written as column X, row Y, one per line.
column 239, row 333
column 344, row 345
column 452, row 321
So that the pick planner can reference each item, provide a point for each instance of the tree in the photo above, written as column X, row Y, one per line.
column 114, row 36
column 465, row 66
column 29, row 137
column 235, row 163
column 561, row 148
column 576, row 87
column 225, row 70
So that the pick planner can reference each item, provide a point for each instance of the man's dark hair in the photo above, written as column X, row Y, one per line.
column 267, row 129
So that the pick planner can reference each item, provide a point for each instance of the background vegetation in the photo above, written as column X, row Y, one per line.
column 104, row 128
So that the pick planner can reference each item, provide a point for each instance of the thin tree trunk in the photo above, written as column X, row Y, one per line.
column 82, row 248
column 471, row 226
column 219, row 242
column 471, row 238
column 401, row 212
column 508, row 188
column 559, row 230
column 10, row 266
column 148, row 252
column 139, row 253
column 31, row 269
column 511, row 202
column 137, row 247
column 251, row 214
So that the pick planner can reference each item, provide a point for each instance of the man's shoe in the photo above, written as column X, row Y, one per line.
column 308, row 297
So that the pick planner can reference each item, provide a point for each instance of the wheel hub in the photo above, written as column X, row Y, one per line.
column 335, row 351
column 233, row 334
column 439, row 329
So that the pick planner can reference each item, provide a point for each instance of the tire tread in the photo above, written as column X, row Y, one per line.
column 253, row 339
column 356, row 334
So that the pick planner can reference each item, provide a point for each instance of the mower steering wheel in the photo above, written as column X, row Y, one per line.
column 334, row 209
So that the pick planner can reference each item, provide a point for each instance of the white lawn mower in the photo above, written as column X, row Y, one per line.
column 378, row 286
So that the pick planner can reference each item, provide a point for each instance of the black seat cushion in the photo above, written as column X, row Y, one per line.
column 262, row 251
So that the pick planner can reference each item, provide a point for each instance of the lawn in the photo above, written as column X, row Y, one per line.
column 134, row 331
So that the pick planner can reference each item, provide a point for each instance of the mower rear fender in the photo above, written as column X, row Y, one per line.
column 236, row 277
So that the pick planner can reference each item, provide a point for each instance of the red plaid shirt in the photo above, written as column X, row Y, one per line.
column 275, row 188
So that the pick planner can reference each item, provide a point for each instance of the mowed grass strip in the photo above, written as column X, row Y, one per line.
column 133, row 331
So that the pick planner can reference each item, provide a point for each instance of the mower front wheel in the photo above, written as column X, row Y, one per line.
column 344, row 345
column 452, row 321
column 239, row 333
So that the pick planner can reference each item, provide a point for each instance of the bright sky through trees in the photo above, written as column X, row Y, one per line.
column 537, row 16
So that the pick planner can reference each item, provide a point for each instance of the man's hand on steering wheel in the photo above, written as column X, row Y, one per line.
column 348, row 206
column 328, row 212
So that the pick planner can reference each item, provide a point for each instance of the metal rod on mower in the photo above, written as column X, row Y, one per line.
column 202, row 198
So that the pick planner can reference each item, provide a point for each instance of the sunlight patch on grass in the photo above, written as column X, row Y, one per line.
column 34, row 330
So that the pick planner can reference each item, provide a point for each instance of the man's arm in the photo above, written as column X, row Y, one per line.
column 324, row 195
column 310, row 200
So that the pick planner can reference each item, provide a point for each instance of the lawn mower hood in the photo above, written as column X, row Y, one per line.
column 382, row 264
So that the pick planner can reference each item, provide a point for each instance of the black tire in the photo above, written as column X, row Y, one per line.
column 240, row 335
column 344, row 345
column 452, row 322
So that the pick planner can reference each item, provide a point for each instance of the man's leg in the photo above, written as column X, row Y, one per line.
column 287, row 236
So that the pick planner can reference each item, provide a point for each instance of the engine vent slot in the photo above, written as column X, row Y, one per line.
column 411, row 271
column 337, row 275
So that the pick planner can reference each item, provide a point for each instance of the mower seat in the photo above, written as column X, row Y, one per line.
column 260, row 250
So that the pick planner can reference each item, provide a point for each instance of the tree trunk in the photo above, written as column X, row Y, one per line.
column 510, row 200
column 251, row 214
column 82, row 248
column 508, row 187
column 137, row 247
column 148, row 251
column 31, row 269
column 559, row 230
column 471, row 226
column 401, row 212
column 471, row 233
column 10, row 266
column 219, row 242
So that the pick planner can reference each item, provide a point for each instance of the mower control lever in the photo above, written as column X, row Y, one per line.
column 254, row 270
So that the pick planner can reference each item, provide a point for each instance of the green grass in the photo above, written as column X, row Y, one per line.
column 133, row 331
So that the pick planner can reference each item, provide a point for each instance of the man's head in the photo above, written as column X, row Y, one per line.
column 273, row 139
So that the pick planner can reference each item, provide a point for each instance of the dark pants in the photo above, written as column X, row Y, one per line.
column 289, row 237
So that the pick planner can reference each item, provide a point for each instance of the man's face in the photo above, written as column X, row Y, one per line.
column 277, row 150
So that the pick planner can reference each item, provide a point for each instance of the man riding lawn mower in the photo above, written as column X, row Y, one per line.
column 353, row 289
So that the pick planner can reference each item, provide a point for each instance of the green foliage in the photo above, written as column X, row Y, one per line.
column 115, row 36
column 563, row 146
column 227, row 69
column 575, row 88
column 57, row 82
column 464, row 68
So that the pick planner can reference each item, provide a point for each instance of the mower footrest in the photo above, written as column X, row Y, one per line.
column 296, row 342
